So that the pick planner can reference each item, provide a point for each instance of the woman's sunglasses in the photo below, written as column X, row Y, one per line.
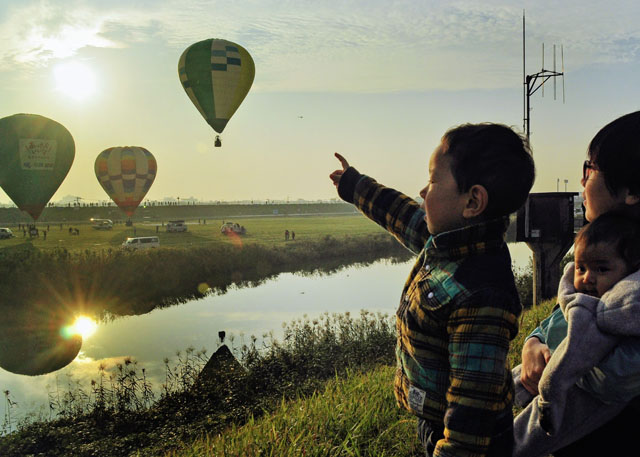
column 587, row 168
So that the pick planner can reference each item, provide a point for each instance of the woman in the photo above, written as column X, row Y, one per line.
column 611, row 181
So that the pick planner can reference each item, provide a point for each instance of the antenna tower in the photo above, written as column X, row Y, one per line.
column 536, row 81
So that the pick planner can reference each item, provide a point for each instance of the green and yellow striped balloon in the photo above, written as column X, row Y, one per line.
column 217, row 75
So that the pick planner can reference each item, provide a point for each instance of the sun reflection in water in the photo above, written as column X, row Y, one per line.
column 83, row 326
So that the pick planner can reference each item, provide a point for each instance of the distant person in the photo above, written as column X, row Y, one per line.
column 460, row 306
column 44, row 235
column 286, row 235
column 599, row 295
column 293, row 235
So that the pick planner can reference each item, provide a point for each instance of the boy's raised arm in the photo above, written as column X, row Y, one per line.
column 397, row 213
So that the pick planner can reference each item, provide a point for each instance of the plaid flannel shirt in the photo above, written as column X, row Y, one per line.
column 457, row 315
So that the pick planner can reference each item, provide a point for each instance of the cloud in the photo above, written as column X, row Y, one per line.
column 303, row 45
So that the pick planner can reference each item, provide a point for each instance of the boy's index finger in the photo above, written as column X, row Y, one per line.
column 342, row 160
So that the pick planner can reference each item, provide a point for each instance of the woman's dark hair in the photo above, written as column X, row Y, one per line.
column 617, row 229
column 616, row 151
column 494, row 156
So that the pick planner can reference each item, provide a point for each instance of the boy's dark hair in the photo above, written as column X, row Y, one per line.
column 494, row 156
column 616, row 152
column 617, row 229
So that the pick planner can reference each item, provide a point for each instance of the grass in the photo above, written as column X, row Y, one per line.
column 282, row 398
column 325, row 389
column 353, row 415
column 260, row 230
column 124, row 283
column 110, row 418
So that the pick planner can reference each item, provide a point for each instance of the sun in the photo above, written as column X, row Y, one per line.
column 84, row 326
column 75, row 80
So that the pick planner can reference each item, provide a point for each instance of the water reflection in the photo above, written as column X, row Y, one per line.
column 37, row 340
column 240, row 313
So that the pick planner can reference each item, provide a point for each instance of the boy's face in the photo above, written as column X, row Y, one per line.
column 597, row 268
column 443, row 203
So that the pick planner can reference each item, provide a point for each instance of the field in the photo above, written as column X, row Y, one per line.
column 201, row 232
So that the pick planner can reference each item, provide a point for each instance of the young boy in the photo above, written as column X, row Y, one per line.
column 459, row 307
column 599, row 296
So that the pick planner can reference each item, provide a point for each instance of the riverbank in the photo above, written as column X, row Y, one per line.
column 325, row 389
column 116, row 282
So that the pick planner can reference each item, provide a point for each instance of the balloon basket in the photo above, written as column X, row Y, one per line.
column 217, row 143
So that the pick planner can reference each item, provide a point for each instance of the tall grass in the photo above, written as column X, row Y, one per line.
column 279, row 403
column 351, row 416
column 124, row 283
column 115, row 407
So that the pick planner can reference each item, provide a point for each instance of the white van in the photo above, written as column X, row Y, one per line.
column 5, row 233
column 176, row 226
column 141, row 242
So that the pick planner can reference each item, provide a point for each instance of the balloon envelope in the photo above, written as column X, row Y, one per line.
column 217, row 75
column 35, row 343
column 36, row 154
column 126, row 174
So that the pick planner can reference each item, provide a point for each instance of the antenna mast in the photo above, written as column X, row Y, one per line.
column 535, row 81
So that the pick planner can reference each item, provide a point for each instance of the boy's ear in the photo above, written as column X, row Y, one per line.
column 477, row 201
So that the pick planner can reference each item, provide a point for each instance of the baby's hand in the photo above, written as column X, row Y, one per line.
column 336, row 175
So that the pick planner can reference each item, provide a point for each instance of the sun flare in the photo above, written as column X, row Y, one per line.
column 84, row 326
column 75, row 80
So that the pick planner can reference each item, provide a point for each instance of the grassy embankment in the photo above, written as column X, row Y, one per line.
column 326, row 389
column 91, row 271
column 114, row 417
column 354, row 415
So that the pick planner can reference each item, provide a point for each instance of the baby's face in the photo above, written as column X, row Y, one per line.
column 598, row 267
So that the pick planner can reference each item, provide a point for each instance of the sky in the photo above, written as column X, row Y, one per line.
column 379, row 81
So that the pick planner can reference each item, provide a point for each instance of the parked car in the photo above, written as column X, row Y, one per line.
column 5, row 233
column 102, row 224
column 176, row 226
column 141, row 242
column 232, row 227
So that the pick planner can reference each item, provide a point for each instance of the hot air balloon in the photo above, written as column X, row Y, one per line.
column 36, row 154
column 126, row 174
column 217, row 75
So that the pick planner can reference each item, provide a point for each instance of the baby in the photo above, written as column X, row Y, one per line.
column 599, row 296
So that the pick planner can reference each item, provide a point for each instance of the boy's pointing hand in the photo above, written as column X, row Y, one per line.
column 336, row 175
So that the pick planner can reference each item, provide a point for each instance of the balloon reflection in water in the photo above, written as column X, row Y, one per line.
column 35, row 341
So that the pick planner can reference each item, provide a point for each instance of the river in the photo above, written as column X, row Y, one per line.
column 240, row 312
